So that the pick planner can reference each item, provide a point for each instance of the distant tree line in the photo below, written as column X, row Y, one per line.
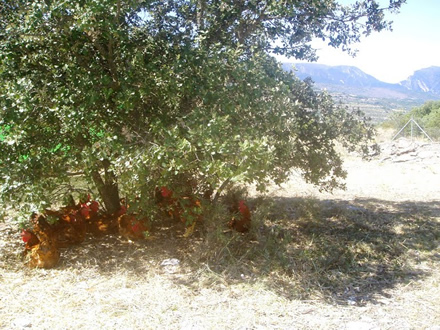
column 426, row 115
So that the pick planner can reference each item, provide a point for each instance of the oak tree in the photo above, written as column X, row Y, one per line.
column 131, row 94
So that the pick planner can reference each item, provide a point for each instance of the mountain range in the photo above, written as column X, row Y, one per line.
column 424, row 80
column 377, row 98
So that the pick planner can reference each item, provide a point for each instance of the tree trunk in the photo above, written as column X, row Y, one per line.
column 107, row 187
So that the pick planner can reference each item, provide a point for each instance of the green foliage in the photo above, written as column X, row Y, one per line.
column 132, row 94
column 427, row 116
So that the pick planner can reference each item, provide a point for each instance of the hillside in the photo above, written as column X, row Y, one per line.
column 425, row 80
column 336, row 75
column 378, row 99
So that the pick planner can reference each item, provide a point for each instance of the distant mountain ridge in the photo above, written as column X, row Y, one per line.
column 376, row 98
column 424, row 84
column 425, row 80
column 337, row 75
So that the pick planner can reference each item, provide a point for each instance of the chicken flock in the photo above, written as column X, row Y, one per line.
column 54, row 229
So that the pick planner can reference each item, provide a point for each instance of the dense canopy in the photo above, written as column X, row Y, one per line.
column 130, row 94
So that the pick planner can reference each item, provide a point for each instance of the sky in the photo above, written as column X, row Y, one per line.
column 391, row 57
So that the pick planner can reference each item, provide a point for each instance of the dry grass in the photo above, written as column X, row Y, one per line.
column 308, row 263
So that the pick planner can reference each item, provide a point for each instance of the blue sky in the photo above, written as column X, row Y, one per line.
column 393, row 56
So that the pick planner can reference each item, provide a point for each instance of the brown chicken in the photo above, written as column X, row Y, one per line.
column 45, row 253
column 131, row 228
column 102, row 224
column 40, row 224
column 69, row 227
column 242, row 221
column 99, row 224
column 70, row 230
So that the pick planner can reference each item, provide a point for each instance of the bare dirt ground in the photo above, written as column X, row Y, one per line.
column 404, row 171
column 364, row 258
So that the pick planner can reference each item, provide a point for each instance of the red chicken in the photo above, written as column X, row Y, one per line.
column 84, row 211
column 165, row 192
column 94, row 207
column 131, row 228
column 30, row 240
column 167, row 203
column 242, row 221
column 122, row 210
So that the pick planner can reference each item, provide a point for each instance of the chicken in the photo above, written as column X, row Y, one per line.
column 190, row 213
column 56, row 229
column 131, row 228
column 163, row 194
column 70, row 226
column 45, row 253
column 70, row 230
column 186, row 209
column 122, row 210
column 102, row 224
column 167, row 203
column 30, row 240
column 242, row 221
column 183, row 209
column 64, row 211
column 94, row 207
column 41, row 226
